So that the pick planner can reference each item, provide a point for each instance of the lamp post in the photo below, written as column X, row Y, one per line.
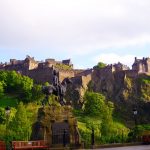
column 64, row 138
column 135, row 112
column 92, row 138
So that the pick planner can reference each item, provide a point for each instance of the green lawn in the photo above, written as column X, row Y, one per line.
column 8, row 101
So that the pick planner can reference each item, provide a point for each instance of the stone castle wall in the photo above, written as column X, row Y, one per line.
column 65, row 74
column 42, row 72
column 78, row 71
column 131, row 73
column 83, row 72
column 41, row 75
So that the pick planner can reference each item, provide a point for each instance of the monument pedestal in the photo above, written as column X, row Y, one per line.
column 57, row 126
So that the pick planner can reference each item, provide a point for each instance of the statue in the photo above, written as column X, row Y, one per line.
column 57, row 88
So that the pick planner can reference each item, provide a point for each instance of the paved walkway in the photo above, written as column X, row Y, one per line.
column 141, row 147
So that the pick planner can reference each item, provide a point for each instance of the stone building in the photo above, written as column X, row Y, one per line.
column 40, row 71
column 141, row 65
column 119, row 67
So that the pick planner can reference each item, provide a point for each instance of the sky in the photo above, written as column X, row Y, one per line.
column 86, row 31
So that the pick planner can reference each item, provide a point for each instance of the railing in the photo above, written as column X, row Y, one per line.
column 2, row 145
column 19, row 145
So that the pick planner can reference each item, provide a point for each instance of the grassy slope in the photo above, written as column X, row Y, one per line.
column 8, row 101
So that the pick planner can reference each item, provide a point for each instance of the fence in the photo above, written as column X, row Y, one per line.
column 2, row 145
column 19, row 145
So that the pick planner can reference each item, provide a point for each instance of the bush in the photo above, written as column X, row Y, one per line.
column 97, row 115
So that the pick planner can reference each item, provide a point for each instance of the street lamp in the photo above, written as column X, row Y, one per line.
column 92, row 138
column 135, row 112
column 64, row 138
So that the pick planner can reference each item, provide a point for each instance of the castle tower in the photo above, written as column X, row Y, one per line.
column 30, row 63
column 141, row 65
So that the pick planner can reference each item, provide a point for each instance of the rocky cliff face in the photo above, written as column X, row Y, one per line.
column 77, row 89
column 124, row 90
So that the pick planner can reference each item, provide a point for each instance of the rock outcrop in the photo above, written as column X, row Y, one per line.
column 126, row 88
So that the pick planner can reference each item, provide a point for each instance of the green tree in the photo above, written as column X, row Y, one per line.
column 12, row 81
column 16, row 84
column 94, row 104
column 3, row 76
column 2, row 116
column 1, row 89
column 46, row 84
column 37, row 94
column 20, row 125
column 26, row 86
column 100, row 65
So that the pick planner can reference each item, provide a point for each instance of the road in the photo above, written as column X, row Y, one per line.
column 141, row 147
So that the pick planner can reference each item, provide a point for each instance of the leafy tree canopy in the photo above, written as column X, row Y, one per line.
column 13, row 82
column 2, row 116
column 100, row 65
column 20, row 124
column 1, row 89
column 95, row 104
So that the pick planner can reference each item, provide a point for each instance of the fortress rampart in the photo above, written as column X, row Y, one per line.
column 42, row 72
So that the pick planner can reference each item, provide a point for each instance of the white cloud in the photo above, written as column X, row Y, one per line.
column 112, row 58
column 69, row 28
column 76, row 26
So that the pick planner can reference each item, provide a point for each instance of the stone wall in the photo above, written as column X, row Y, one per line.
column 131, row 73
column 83, row 72
column 65, row 74
column 41, row 75
column 78, row 71
column 41, row 72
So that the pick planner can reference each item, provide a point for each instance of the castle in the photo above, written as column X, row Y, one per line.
column 29, row 63
column 42, row 72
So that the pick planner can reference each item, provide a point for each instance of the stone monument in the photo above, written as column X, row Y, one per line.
column 56, row 125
